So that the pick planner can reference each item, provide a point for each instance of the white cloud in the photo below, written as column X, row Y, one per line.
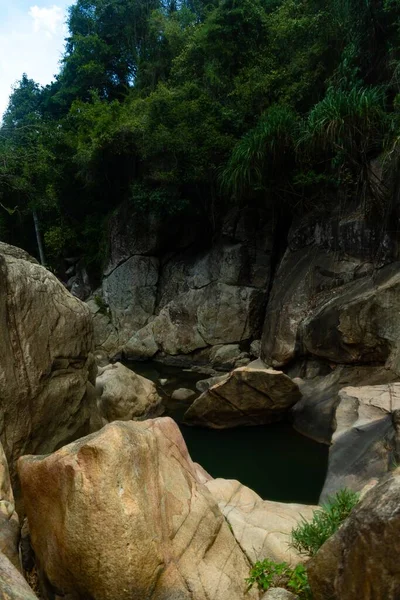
column 47, row 20
column 31, row 42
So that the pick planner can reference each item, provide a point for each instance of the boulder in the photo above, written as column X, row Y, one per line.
column 183, row 395
column 204, row 384
column 9, row 522
column 361, row 559
column 165, row 535
column 261, row 528
column 278, row 594
column 330, row 258
column 250, row 395
column 12, row 585
column 47, row 370
column 225, row 357
column 314, row 415
column 365, row 443
column 125, row 395
column 255, row 349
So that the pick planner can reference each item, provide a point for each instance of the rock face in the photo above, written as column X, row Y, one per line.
column 250, row 395
column 46, row 366
column 12, row 585
column 278, row 594
column 329, row 299
column 314, row 414
column 125, row 395
column 261, row 528
column 166, row 537
column 361, row 559
column 366, row 441
column 169, row 294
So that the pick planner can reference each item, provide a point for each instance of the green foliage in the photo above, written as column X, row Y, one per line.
column 308, row 537
column 261, row 151
column 267, row 574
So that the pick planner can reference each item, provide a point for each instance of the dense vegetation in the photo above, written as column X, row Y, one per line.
column 189, row 106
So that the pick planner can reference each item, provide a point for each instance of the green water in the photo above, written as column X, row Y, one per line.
column 273, row 460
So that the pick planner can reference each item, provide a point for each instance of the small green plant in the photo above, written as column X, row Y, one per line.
column 267, row 574
column 308, row 537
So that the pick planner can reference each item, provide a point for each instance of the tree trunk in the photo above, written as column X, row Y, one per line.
column 39, row 238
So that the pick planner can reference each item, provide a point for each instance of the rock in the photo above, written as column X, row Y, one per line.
column 166, row 537
column 204, row 384
column 9, row 522
column 250, row 395
column 365, row 442
column 183, row 395
column 47, row 370
column 330, row 261
column 361, row 559
column 255, row 349
column 130, row 292
column 225, row 357
column 12, row 585
column 125, row 395
column 313, row 416
column 163, row 382
column 262, row 528
column 278, row 594
column 167, row 295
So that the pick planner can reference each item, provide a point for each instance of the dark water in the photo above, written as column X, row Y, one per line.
column 273, row 460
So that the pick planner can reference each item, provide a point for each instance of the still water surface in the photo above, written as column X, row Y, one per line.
column 273, row 460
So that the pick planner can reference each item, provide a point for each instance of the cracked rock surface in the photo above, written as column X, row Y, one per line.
column 124, row 514
column 46, row 375
column 250, row 395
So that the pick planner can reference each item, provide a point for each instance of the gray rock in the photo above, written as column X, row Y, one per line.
column 125, row 395
column 361, row 559
column 365, row 442
column 313, row 415
column 183, row 395
column 250, row 395
column 278, row 594
column 12, row 585
column 225, row 357
column 204, row 384
column 255, row 349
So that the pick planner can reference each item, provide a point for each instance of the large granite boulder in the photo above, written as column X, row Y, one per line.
column 123, row 515
column 251, row 395
column 328, row 276
column 366, row 441
column 361, row 559
column 12, row 585
column 125, row 395
column 262, row 528
column 314, row 415
column 46, row 364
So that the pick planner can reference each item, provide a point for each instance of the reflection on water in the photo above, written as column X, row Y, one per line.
column 274, row 460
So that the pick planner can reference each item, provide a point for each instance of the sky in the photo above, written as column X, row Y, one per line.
column 31, row 41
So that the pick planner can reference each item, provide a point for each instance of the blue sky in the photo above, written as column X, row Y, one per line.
column 31, row 41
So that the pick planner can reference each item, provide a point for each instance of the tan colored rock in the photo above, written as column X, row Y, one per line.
column 262, row 528
column 125, row 395
column 366, row 441
column 248, row 396
column 123, row 515
column 12, row 585
column 46, row 365
column 361, row 559
column 183, row 395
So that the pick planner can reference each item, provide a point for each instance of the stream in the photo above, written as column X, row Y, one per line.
column 274, row 460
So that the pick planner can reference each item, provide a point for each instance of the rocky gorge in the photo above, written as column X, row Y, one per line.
column 92, row 450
